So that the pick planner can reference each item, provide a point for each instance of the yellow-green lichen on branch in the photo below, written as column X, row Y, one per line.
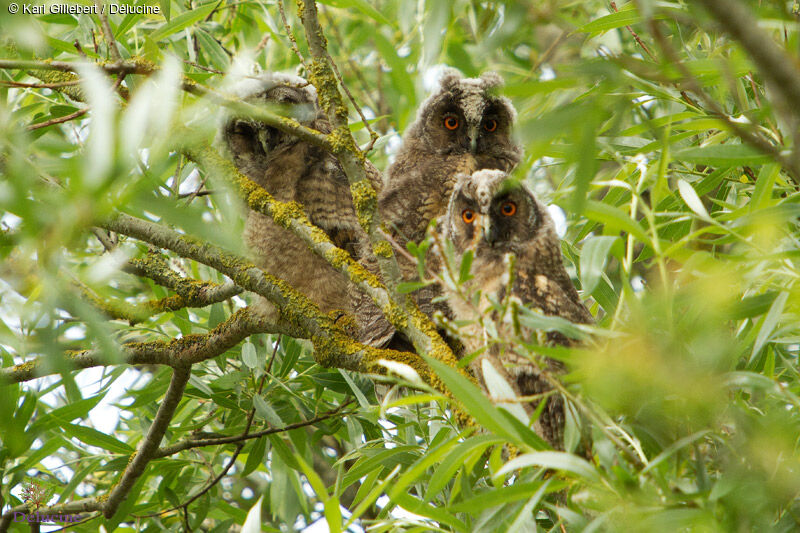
column 341, row 260
column 382, row 249
column 359, row 274
column 365, row 201
column 321, row 76
column 57, row 76
column 337, row 257
column 342, row 142
column 439, row 349
column 27, row 366
column 285, row 212
column 396, row 316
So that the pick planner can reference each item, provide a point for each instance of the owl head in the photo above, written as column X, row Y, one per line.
column 493, row 214
column 249, row 141
column 466, row 115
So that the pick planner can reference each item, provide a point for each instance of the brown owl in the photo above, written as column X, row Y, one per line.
column 463, row 127
column 495, row 216
column 294, row 170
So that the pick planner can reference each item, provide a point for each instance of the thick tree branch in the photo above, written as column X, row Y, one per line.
column 410, row 320
column 148, row 446
column 321, row 75
column 176, row 352
column 334, row 347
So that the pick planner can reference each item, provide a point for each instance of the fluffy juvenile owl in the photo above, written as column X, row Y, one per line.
column 294, row 170
column 463, row 127
column 494, row 216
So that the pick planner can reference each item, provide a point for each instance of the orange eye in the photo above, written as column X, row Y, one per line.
column 490, row 125
column 508, row 208
column 468, row 216
column 450, row 122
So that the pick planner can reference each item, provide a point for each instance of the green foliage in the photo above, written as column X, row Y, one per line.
column 683, row 238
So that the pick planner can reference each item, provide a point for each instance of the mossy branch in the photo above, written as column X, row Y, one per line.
column 406, row 317
column 189, row 349
column 204, row 294
column 301, row 317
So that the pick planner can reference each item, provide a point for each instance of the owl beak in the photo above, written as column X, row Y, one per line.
column 489, row 232
column 473, row 139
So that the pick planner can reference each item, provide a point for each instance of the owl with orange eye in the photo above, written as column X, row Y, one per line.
column 494, row 216
column 463, row 127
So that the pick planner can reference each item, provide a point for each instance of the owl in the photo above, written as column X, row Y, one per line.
column 494, row 217
column 463, row 127
column 294, row 170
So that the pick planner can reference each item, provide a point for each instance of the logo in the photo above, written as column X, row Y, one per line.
column 36, row 494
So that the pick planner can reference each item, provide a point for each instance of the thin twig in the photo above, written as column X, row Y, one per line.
column 200, row 443
column 241, row 440
column 635, row 35
column 201, row 67
column 775, row 65
column 59, row 120
column 40, row 85
column 290, row 34
column 545, row 57
column 354, row 67
column 372, row 135
column 108, row 35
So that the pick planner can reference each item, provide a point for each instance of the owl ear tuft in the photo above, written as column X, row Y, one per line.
column 460, row 181
column 450, row 78
column 492, row 79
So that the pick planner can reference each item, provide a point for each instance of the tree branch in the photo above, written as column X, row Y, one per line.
column 185, row 350
column 131, row 66
column 148, row 446
column 333, row 346
column 204, row 294
column 141, row 66
column 58, row 120
column 418, row 327
column 411, row 321
column 753, row 138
